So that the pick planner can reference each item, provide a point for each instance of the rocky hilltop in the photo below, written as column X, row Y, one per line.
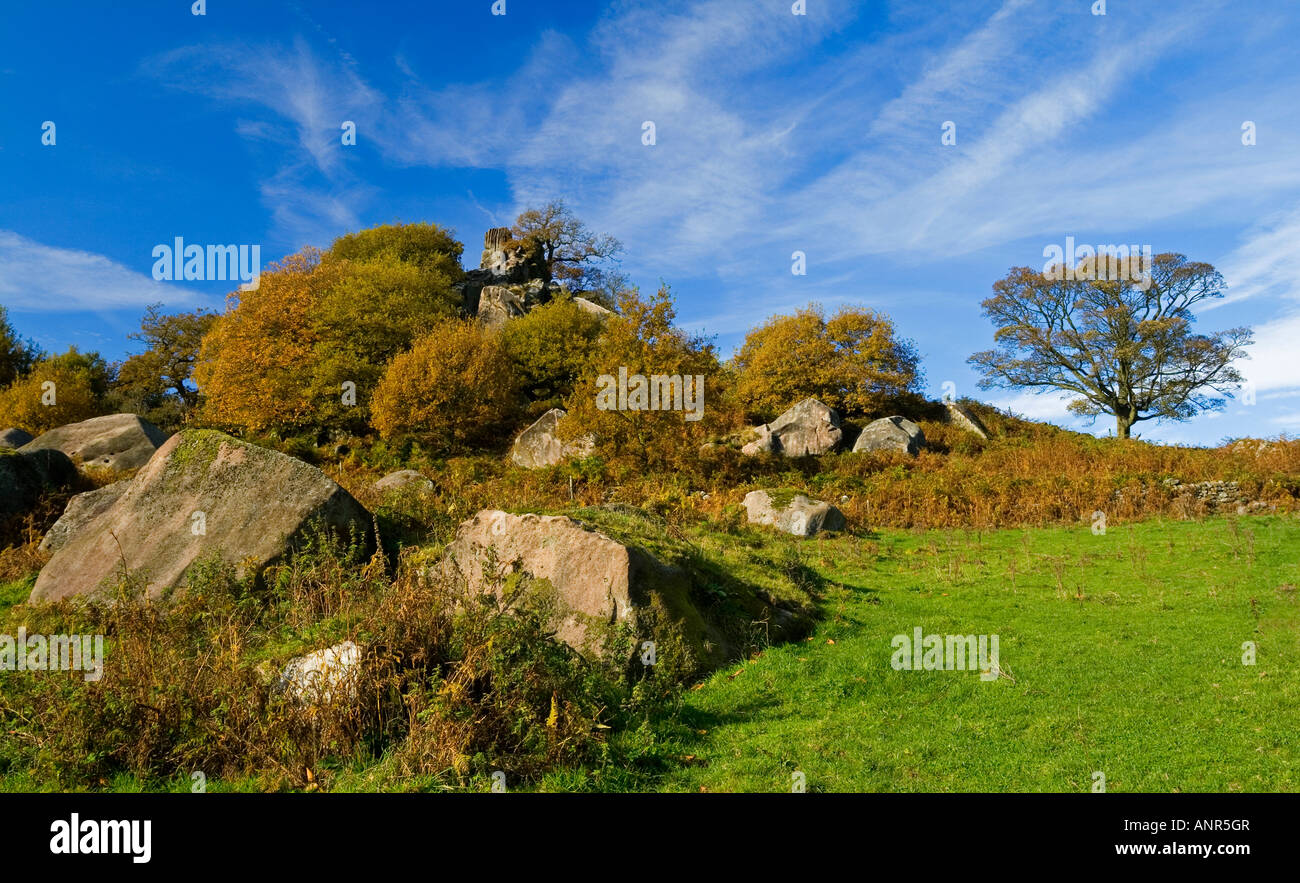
column 512, row 279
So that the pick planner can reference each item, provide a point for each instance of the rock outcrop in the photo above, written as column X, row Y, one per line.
column 960, row 415
column 498, row 304
column 810, row 427
column 116, row 441
column 600, row 585
column 81, row 510
column 513, row 278
column 26, row 476
column 203, row 494
column 540, row 445
column 891, row 434
column 592, row 307
column 14, row 438
column 509, row 261
column 798, row 514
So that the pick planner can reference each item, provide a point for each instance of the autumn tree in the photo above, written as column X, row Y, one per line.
column 159, row 382
column 309, row 353
column 1115, row 332
column 854, row 362
column 642, row 338
column 432, row 248
column 454, row 388
column 397, row 281
column 66, row 388
column 16, row 355
column 550, row 346
column 572, row 252
column 254, row 365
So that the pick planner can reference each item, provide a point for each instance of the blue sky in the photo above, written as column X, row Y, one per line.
column 775, row 133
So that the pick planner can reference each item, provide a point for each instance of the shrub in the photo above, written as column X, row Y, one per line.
column 641, row 337
column 449, row 687
column 253, row 369
column 454, row 388
column 280, row 356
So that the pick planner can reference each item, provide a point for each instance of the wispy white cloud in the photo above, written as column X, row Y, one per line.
column 1264, row 264
column 44, row 278
column 293, row 82
column 304, row 99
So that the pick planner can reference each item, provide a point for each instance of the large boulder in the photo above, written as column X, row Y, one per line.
column 793, row 514
column 14, row 438
column 26, row 476
column 540, row 444
column 117, row 441
column 891, row 434
column 810, row 427
column 599, row 584
column 80, row 511
column 203, row 494
column 964, row 417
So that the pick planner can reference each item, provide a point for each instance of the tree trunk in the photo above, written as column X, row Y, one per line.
column 1123, row 424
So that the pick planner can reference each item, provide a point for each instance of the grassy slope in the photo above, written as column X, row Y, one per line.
column 1125, row 651
column 1141, row 677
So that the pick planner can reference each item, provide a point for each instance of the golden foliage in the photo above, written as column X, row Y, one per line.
column 454, row 387
column 550, row 347
column 853, row 362
column 76, row 394
column 279, row 358
column 641, row 337
column 254, row 366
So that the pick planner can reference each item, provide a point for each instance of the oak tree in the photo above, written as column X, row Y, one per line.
column 1120, row 339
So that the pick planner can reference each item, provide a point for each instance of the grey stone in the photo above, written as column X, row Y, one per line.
column 801, row 516
column 403, row 478
column 592, row 307
column 81, row 510
column 203, row 494
column 810, row 427
column 116, row 441
column 891, row 434
column 960, row 415
column 14, row 438
column 540, row 445
column 498, row 305
column 599, row 583
column 324, row 677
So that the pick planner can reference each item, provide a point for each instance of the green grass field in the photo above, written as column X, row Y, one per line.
column 1123, row 655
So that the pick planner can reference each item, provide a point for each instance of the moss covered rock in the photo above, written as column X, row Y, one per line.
column 202, row 495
